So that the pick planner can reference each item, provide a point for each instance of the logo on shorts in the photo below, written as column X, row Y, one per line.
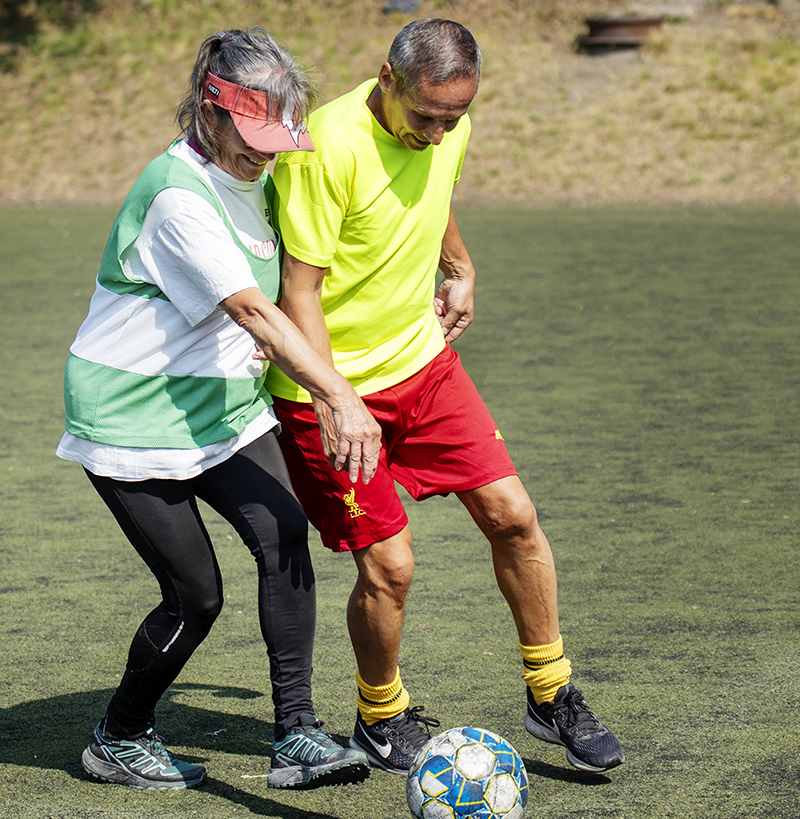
column 353, row 509
column 498, row 436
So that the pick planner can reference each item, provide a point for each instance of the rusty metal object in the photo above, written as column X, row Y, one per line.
column 619, row 31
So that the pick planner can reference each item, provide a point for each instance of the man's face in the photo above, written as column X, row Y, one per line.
column 422, row 116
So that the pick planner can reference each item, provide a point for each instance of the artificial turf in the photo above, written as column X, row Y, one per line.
column 642, row 365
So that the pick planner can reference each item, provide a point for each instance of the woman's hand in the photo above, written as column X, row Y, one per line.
column 351, row 437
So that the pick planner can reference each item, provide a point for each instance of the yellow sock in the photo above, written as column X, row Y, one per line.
column 381, row 702
column 546, row 669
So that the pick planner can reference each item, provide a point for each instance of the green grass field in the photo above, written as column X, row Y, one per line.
column 643, row 367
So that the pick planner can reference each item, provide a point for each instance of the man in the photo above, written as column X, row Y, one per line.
column 366, row 221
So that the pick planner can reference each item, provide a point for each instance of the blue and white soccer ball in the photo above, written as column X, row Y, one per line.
column 467, row 773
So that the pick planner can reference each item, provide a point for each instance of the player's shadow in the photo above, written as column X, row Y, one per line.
column 52, row 733
column 537, row 768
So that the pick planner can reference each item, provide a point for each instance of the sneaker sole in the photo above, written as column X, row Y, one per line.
column 585, row 766
column 347, row 772
column 548, row 735
column 107, row 772
column 376, row 761
column 541, row 731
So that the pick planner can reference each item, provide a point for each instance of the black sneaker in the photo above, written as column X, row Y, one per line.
column 140, row 763
column 307, row 757
column 393, row 743
column 568, row 721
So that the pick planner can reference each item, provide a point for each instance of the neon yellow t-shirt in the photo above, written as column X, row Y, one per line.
column 374, row 213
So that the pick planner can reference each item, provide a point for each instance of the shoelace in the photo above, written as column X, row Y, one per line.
column 579, row 719
column 155, row 745
column 316, row 733
column 416, row 717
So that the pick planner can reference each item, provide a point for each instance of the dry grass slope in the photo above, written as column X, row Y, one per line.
column 707, row 112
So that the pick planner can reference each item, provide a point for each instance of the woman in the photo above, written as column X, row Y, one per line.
column 166, row 404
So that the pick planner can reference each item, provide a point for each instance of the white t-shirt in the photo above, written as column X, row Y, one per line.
column 187, row 251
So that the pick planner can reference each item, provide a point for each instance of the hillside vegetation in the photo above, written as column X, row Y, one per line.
column 707, row 112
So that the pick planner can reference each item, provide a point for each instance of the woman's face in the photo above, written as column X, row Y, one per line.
column 236, row 157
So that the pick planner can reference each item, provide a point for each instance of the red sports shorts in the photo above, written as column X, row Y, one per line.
column 438, row 437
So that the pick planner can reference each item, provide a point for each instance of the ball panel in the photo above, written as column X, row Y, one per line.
column 414, row 796
column 432, row 785
column 446, row 744
column 434, row 809
column 501, row 793
column 475, row 760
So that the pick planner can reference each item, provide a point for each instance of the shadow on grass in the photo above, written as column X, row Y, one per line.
column 258, row 805
column 51, row 734
column 536, row 768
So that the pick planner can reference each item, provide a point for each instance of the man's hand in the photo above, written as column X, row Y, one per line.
column 454, row 303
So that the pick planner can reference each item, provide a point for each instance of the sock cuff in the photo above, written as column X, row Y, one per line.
column 379, row 694
column 545, row 670
column 536, row 657
column 379, row 702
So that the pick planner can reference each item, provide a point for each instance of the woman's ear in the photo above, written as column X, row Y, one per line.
column 210, row 115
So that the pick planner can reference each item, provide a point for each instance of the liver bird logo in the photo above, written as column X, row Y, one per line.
column 353, row 509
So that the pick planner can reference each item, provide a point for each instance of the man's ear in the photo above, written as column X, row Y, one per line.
column 386, row 79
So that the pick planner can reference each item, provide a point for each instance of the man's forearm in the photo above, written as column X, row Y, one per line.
column 305, row 312
column 301, row 302
column 454, row 260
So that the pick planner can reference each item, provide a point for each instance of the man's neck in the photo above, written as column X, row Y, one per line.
column 375, row 104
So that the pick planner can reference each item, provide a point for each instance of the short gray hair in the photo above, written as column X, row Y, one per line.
column 253, row 59
column 434, row 51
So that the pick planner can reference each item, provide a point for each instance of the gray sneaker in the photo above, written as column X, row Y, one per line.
column 307, row 757
column 139, row 763
column 568, row 721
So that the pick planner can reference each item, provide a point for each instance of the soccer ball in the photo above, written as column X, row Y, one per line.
column 467, row 772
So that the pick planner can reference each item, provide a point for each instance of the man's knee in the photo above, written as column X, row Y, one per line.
column 511, row 516
column 391, row 577
column 386, row 568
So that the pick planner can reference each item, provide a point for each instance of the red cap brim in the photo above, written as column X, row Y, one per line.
column 257, row 118
column 272, row 137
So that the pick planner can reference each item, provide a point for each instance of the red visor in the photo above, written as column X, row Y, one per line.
column 261, row 125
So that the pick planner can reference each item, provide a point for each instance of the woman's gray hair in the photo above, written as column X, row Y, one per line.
column 253, row 59
column 433, row 50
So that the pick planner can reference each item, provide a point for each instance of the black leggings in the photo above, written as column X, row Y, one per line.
column 251, row 490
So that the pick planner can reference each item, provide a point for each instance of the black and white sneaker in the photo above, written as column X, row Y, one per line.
column 139, row 763
column 568, row 721
column 307, row 757
column 393, row 743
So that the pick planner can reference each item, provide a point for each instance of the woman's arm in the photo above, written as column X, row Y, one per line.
column 358, row 436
